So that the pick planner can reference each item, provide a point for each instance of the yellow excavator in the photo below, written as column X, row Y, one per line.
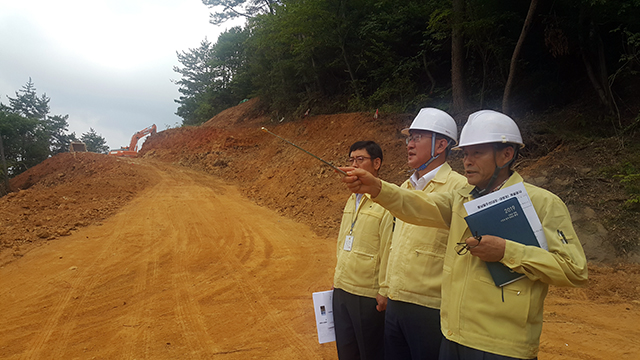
column 132, row 149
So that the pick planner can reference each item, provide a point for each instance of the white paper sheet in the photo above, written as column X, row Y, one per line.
column 323, row 308
column 520, row 192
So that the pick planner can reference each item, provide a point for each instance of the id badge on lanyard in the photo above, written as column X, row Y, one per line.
column 348, row 240
column 348, row 243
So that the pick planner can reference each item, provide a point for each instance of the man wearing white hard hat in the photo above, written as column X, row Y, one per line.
column 479, row 319
column 414, row 271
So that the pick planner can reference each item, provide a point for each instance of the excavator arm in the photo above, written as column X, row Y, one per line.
column 133, row 146
column 132, row 149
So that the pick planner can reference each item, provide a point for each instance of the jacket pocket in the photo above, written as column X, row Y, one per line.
column 363, row 269
column 486, row 313
column 424, row 272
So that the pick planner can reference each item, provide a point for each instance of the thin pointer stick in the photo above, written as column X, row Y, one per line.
column 324, row 161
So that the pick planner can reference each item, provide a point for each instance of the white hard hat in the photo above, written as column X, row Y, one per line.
column 434, row 120
column 488, row 126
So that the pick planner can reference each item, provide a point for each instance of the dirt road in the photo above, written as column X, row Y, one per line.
column 190, row 269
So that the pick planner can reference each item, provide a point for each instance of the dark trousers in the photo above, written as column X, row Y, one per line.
column 450, row 350
column 411, row 332
column 359, row 327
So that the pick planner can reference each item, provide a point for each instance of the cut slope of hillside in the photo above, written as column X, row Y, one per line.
column 63, row 194
column 276, row 174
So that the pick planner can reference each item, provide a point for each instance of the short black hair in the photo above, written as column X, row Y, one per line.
column 374, row 150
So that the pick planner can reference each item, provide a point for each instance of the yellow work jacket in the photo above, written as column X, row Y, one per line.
column 416, row 256
column 473, row 313
column 358, row 271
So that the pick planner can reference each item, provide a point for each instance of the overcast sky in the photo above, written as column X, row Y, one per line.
column 108, row 64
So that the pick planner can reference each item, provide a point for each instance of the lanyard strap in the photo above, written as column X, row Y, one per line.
column 357, row 211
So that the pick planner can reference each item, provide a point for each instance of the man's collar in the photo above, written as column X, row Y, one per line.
column 512, row 180
column 420, row 182
column 443, row 173
column 368, row 196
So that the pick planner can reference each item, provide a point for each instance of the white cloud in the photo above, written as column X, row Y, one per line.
column 105, row 63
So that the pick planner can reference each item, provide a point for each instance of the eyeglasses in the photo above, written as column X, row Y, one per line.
column 415, row 138
column 357, row 159
column 462, row 247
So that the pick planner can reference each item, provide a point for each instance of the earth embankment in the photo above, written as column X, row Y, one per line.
column 210, row 244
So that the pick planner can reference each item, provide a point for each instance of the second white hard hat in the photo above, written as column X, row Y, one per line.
column 489, row 126
column 434, row 120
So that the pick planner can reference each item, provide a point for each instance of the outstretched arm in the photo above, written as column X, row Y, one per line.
column 361, row 181
column 414, row 207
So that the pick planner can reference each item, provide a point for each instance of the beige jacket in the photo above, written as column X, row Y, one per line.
column 473, row 313
column 359, row 270
column 416, row 257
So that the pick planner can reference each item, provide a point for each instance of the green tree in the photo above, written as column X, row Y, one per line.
column 24, row 141
column 197, row 76
column 28, row 104
column 516, row 54
column 228, row 57
column 4, row 176
column 405, row 55
column 307, row 51
column 458, row 83
column 30, row 135
column 400, row 55
column 56, row 127
column 271, row 63
column 213, row 77
column 231, row 9
column 95, row 142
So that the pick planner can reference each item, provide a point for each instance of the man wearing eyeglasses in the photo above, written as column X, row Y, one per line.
column 414, row 272
column 363, row 243
column 479, row 319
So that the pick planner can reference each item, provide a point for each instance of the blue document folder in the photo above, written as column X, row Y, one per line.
column 506, row 220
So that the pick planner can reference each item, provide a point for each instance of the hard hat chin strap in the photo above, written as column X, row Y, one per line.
column 476, row 193
column 433, row 151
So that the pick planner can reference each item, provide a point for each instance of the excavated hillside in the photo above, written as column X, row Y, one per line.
column 69, row 195
column 276, row 174
column 281, row 177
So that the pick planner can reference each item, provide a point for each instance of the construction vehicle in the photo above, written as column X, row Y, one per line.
column 77, row 146
column 132, row 149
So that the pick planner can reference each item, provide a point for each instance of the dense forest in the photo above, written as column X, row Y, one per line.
column 525, row 58
column 328, row 56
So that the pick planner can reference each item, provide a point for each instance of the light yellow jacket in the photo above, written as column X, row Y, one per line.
column 416, row 257
column 473, row 313
column 359, row 271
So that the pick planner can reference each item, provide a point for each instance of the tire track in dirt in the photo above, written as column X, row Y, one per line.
column 187, row 303
column 146, row 274
column 247, row 269
column 241, row 260
column 65, row 328
column 88, row 279
column 51, row 323
column 84, row 281
column 189, row 269
column 175, row 241
column 188, row 245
